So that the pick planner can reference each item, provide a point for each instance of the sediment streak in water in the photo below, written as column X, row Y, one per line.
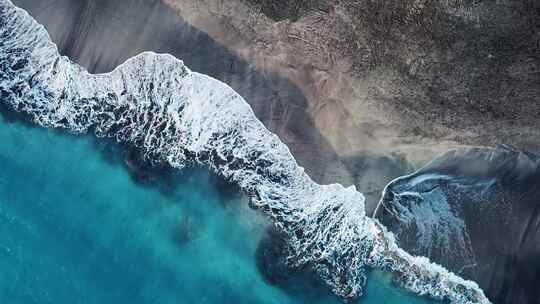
column 174, row 115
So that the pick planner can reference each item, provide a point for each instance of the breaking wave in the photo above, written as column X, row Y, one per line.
column 177, row 116
column 473, row 211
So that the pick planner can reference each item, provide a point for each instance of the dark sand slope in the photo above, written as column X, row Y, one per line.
column 477, row 212
column 101, row 34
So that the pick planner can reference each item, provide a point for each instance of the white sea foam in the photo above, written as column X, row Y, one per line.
column 421, row 205
column 172, row 114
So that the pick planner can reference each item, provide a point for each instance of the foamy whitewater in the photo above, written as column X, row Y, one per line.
column 174, row 115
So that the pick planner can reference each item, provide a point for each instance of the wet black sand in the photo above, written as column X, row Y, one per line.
column 496, row 192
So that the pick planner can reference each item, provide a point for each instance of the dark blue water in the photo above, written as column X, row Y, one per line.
column 76, row 228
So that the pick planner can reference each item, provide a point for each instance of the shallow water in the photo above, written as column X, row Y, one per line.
column 76, row 228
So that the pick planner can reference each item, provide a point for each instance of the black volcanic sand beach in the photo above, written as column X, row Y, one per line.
column 496, row 193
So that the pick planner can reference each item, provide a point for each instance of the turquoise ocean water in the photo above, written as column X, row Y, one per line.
column 76, row 228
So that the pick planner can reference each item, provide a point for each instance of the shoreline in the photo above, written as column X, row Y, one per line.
column 155, row 102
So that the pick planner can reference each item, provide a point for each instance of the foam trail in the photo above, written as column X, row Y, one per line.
column 178, row 116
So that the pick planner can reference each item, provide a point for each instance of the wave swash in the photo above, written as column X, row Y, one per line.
column 174, row 115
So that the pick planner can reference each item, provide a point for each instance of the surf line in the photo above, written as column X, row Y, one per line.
column 154, row 102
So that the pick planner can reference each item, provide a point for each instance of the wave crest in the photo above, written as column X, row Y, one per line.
column 155, row 102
